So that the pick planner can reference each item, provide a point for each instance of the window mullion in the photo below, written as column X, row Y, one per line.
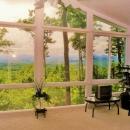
column 109, row 57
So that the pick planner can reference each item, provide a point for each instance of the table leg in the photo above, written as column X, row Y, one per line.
column 93, row 110
column 86, row 106
column 109, row 105
column 129, row 108
column 129, row 112
column 117, row 107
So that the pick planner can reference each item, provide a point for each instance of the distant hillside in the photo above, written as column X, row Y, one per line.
column 98, row 59
column 102, row 60
column 18, row 59
column 60, row 60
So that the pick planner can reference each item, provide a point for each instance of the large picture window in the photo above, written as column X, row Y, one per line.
column 49, row 42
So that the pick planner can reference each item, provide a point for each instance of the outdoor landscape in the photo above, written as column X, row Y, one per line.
column 64, row 58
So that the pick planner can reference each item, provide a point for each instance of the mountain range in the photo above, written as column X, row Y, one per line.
column 98, row 59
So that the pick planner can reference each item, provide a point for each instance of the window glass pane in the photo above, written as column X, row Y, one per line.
column 101, row 26
column 13, row 10
column 63, row 15
column 100, row 57
column 118, row 56
column 64, row 56
column 16, row 55
column 104, row 25
column 58, row 95
column 13, row 99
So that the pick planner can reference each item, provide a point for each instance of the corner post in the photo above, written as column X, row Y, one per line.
column 38, row 47
column 89, row 54
column 127, row 48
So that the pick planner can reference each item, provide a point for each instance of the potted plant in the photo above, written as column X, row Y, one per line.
column 39, row 98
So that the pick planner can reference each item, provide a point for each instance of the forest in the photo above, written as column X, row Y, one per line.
column 66, row 71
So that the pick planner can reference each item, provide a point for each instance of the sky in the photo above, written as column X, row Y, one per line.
column 12, row 10
column 26, row 45
column 100, row 43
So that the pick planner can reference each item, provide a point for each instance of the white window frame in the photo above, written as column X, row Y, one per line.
column 39, row 28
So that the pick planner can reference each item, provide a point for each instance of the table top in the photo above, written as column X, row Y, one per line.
column 93, row 99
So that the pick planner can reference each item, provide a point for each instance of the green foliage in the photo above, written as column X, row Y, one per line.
column 99, row 72
column 19, row 73
column 4, row 43
column 76, row 17
column 16, row 99
column 22, row 98
column 117, row 87
column 118, row 50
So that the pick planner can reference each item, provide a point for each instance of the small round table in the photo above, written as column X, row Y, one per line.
column 93, row 100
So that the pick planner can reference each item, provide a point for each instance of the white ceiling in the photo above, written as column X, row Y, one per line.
column 117, row 9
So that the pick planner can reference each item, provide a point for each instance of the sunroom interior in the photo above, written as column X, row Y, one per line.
column 71, row 46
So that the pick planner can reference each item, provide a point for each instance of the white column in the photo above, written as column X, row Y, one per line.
column 38, row 47
column 127, row 55
column 89, row 55
column 109, row 57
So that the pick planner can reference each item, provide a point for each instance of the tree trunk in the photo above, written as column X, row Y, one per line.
column 44, row 56
column 44, row 64
column 80, row 89
column 79, row 65
column 66, row 54
column 119, row 51
column 82, row 70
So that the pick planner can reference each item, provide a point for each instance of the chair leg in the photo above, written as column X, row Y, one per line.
column 93, row 110
column 117, row 107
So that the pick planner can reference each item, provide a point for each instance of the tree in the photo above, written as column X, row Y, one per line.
column 79, row 43
column 117, row 42
column 118, row 45
column 117, row 49
column 77, row 19
column 70, row 17
column 5, row 48
column 4, row 44
column 66, row 50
